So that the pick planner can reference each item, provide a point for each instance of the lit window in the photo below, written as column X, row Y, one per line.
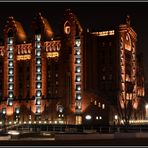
column 38, row 69
column 10, row 123
column 38, row 110
column 38, row 93
column 10, row 95
column 10, row 87
column 17, row 110
column 78, row 96
column 38, row 85
column 78, row 78
column 78, row 60
column 38, row 77
column 10, row 79
column 67, row 29
column 29, row 117
column 52, row 54
column 38, row 53
column 97, row 117
column 78, row 52
column 4, row 111
column 10, row 71
column 95, row 102
column 116, row 117
column 60, row 108
column 38, row 45
column 10, row 103
column 10, row 48
column 88, row 117
column 103, row 106
column 79, row 107
column 78, row 43
column 38, row 102
column 100, row 117
column 57, row 82
column 99, row 104
column 10, row 55
column 57, row 75
column 38, row 61
column 78, row 87
column 10, row 63
column 78, row 69
column 38, row 37
column 10, row 41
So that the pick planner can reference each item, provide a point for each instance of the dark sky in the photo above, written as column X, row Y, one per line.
column 96, row 15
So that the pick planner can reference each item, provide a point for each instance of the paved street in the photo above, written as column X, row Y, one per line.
column 116, row 142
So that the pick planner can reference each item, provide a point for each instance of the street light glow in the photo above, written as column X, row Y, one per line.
column 88, row 117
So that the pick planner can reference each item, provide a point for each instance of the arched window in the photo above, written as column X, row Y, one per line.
column 67, row 27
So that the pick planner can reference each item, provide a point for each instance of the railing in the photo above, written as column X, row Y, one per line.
column 59, row 128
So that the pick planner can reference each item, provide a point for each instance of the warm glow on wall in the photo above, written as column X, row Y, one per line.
column 9, row 111
column 52, row 54
column 23, row 57
column 104, row 33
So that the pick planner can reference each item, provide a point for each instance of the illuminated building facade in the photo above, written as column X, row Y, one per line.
column 115, row 69
column 73, row 78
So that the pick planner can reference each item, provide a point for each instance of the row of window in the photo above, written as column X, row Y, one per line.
column 78, row 75
column 38, row 72
column 10, row 72
column 95, row 102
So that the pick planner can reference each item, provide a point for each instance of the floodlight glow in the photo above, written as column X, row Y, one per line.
column 116, row 117
column 13, row 132
column 38, row 61
column 78, row 79
column 88, row 117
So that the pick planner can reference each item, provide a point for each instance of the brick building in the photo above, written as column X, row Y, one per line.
column 73, row 78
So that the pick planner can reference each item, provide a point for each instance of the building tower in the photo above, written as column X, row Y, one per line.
column 72, row 46
column 128, row 65
column 14, row 34
column 38, row 62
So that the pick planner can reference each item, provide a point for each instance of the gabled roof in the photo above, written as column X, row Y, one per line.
column 17, row 29
column 39, row 22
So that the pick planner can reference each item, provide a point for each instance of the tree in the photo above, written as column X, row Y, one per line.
column 125, row 107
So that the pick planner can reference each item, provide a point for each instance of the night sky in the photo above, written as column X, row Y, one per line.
column 95, row 15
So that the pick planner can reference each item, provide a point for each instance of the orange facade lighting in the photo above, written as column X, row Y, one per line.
column 52, row 54
column 23, row 57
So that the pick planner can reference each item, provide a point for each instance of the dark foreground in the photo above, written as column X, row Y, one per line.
column 114, row 142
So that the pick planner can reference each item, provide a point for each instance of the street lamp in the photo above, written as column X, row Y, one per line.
column 88, row 117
